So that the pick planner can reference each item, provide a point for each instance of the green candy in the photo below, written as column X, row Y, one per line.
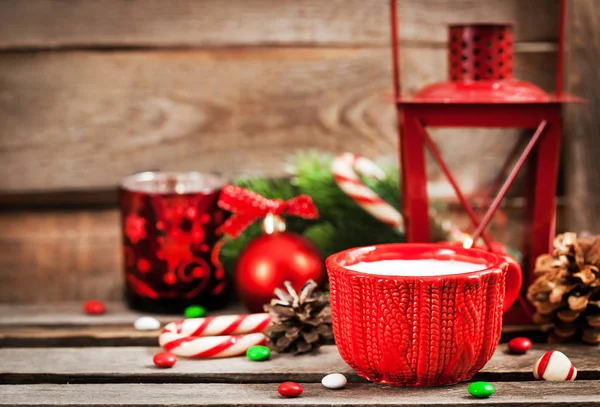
column 195, row 311
column 258, row 353
column 481, row 390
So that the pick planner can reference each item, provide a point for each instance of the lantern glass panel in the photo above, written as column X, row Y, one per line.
column 479, row 160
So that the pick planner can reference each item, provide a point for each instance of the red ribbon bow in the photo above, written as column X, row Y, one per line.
column 249, row 206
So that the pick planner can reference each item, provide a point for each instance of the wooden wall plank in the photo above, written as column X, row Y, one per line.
column 49, row 256
column 83, row 120
column 91, row 199
column 582, row 124
column 92, row 365
column 539, row 394
column 111, row 23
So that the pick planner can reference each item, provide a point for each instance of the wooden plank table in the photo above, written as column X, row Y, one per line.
column 58, row 356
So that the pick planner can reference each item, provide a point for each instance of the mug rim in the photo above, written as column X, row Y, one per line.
column 492, row 261
column 210, row 182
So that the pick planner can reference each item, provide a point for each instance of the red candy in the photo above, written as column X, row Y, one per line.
column 519, row 345
column 94, row 307
column 289, row 389
column 164, row 359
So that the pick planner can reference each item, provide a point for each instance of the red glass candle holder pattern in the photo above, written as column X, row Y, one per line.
column 169, row 224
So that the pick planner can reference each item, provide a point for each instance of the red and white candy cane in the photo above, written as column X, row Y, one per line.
column 211, row 346
column 347, row 169
column 214, row 337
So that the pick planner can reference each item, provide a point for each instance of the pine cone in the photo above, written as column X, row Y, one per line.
column 567, row 289
column 301, row 321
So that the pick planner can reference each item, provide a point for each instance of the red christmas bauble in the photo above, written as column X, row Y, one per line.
column 271, row 259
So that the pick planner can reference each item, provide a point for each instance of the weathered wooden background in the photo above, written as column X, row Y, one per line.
column 93, row 90
column 582, row 174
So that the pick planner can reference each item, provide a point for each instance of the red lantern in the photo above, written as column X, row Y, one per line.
column 481, row 92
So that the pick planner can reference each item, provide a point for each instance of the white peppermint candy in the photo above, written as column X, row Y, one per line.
column 146, row 324
column 554, row 366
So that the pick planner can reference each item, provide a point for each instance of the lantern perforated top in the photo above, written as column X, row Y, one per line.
column 480, row 52
column 480, row 68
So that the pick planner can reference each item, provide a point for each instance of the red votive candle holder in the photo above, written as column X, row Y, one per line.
column 170, row 241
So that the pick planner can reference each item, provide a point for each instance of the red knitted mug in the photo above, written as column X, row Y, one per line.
column 425, row 330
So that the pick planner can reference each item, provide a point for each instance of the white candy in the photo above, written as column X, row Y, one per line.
column 334, row 381
column 554, row 366
column 146, row 324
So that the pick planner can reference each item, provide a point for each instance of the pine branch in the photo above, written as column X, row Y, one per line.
column 342, row 223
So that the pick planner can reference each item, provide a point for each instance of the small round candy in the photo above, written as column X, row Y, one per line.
column 195, row 311
column 334, row 381
column 258, row 353
column 554, row 366
column 146, row 324
column 289, row 389
column 519, row 345
column 164, row 359
column 94, row 307
column 481, row 390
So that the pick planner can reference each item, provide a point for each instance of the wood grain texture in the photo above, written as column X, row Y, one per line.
column 149, row 23
column 73, row 200
column 97, row 365
column 49, row 256
column 538, row 394
column 582, row 145
column 69, row 314
column 135, row 365
column 65, row 325
column 86, row 119
column 119, row 336
column 126, row 335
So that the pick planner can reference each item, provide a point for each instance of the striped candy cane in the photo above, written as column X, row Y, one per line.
column 214, row 337
column 210, row 346
column 347, row 169
column 220, row 325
